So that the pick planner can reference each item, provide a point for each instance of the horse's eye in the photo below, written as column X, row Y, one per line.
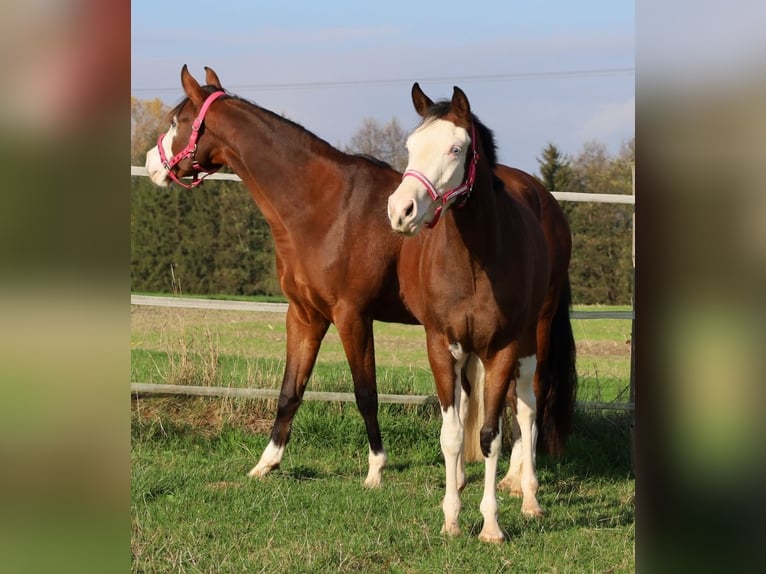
column 455, row 150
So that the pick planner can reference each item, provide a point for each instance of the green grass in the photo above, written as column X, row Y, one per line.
column 194, row 510
column 601, row 329
column 603, row 355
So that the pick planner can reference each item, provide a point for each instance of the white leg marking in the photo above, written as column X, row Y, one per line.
column 451, row 440
column 490, row 531
column 527, row 407
column 512, row 480
column 377, row 462
column 270, row 459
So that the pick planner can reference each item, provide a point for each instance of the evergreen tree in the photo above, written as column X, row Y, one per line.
column 555, row 169
column 197, row 237
column 244, row 262
column 601, row 265
column 153, row 235
column 210, row 240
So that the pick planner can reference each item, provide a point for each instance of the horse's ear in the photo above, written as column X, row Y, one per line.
column 191, row 87
column 421, row 101
column 460, row 105
column 211, row 78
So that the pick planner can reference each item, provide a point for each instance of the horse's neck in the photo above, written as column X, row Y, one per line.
column 273, row 158
column 476, row 223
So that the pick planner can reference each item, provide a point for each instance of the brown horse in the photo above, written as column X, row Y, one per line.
column 321, row 205
column 476, row 280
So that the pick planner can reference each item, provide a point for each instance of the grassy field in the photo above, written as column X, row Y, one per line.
column 246, row 349
column 194, row 510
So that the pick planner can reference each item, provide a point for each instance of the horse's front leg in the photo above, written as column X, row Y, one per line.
column 356, row 335
column 447, row 359
column 303, row 341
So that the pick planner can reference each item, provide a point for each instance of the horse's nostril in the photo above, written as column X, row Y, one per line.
column 410, row 209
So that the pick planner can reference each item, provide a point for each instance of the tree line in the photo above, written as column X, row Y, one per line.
column 214, row 239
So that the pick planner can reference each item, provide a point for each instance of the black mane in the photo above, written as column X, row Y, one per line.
column 441, row 108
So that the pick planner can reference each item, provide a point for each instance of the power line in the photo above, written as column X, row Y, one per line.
column 518, row 76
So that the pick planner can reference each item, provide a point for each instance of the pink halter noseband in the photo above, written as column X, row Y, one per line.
column 462, row 191
column 191, row 147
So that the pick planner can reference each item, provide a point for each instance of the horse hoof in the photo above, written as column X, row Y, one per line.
column 258, row 471
column 533, row 512
column 372, row 482
column 508, row 486
column 492, row 537
column 451, row 530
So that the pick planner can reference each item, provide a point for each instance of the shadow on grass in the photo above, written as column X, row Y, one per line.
column 598, row 446
column 574, row 489
column 301, row 473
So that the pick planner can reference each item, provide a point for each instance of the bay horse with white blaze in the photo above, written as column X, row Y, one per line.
column 322, row 205
column 476, row 280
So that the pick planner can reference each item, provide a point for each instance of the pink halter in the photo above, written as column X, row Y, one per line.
column 461, row 191
column 191, row 147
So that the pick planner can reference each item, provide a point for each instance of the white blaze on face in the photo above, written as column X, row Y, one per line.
column 437, row 150
column 157, row 171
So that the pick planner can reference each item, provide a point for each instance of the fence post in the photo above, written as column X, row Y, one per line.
column 633, row 336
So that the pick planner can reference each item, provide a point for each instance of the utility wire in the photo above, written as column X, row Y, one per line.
column 519, row 76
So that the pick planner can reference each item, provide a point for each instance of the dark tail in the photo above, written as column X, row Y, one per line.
column 554, row 419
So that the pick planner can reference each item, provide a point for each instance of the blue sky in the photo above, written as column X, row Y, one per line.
column 329, row 65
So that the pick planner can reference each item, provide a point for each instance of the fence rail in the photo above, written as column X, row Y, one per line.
column 213, row 304
column 230, row 305
column 560, row 195
column 247, row 393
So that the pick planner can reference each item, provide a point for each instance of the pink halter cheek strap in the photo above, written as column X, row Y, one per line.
column 191, row 147
column 462, row 191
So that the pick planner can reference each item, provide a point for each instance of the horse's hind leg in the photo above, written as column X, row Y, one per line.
column 357, row 337
column 511, row 483
column 304, row 336
column 526, row 407
column 497, row 379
